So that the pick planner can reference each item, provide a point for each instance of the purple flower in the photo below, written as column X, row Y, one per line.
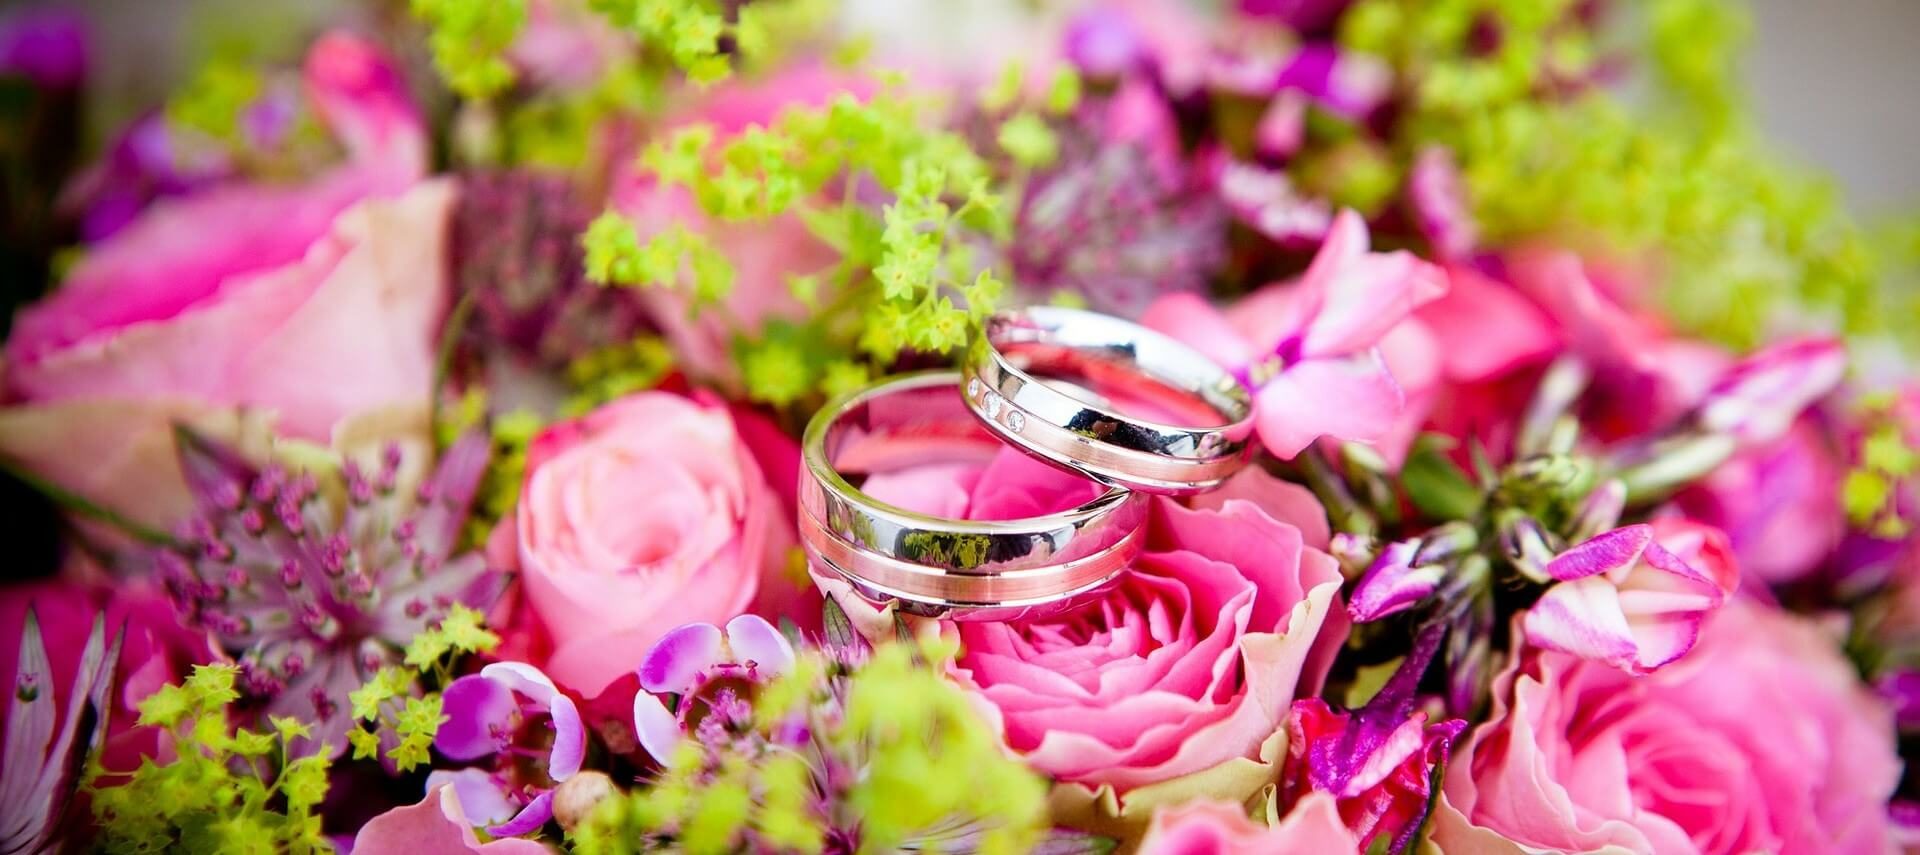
column 1757, row 400
column 1303, row 15
column 692, row 658
column 1104, row 43
column 497, row 713
column 1266, row 201
column 1394, row 583
column 47, row 45
column 1624, row 600
column 38, row 767
column 314, row 597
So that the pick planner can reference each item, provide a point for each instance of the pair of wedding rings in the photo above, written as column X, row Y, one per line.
column 1095, row 395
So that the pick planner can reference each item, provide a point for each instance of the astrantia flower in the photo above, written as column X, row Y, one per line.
column 1311, row 350
column 1625, row 600
column 312, row 597
column 38, row 768
column 1122, row 216
column 516, row 254
column 494, row 714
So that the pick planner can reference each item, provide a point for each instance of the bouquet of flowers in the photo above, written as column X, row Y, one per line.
column 409, row 452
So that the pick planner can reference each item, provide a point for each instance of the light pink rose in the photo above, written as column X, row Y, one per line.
column 1760, row 740
column 1219, row 828
column 1188, row 665
column 641, row 516
column 303, row 303
column 763, row 254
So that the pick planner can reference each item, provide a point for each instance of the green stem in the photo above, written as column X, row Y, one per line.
column 86, row 507
column 443, row 361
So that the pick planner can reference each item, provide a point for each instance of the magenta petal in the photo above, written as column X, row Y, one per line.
column 656, row 728
column 678, row 659
column 569, row 739
column 479, row 713
column 530, row 818
column 482, row 797
column 755, row 641
column 1359, row 295
column 1354, row 399
column 1582, row 617
column 522, row 678
column 1611, row 551
column 1758, row 399
column 1196, row 323
column 1392, row 584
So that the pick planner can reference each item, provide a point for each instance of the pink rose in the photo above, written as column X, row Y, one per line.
column 1217, row 828
column 1188, row 666
column 646, row 514
column 154, row 650
column 763, row 255
column 306, row 304
column 1760, row 740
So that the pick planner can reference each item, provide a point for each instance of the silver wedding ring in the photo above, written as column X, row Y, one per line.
column 963, row 569
column 1059, row 383
column 1094, row 395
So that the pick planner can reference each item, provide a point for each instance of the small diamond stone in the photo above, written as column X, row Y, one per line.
column 1015, row 421
column 973, row 387
column 992, row 404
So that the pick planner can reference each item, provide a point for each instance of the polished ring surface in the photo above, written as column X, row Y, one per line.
column 961, row 569
column 1050, row 380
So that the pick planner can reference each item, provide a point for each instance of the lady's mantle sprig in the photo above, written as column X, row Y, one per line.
column 873, row 179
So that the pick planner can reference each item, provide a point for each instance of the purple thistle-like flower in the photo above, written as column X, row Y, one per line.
column 517, row 257
column 1121, row 217
column 311, row 598
column 40, row 767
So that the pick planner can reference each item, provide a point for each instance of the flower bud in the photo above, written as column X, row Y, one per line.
column 1558, row 389
column 1527, row 546
column 1600, row 511
column 577, row 797
column 1394, row 583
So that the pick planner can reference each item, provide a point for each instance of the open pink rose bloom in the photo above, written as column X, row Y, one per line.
column 834, row 427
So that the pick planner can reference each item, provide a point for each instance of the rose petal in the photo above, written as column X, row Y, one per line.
column 679, row 658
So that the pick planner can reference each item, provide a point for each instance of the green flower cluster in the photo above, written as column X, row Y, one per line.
column 469, row 40
column 1886, row 463
column 877, row 771
column 907, row 279
column 1745, row 242
column 228, row 789
column 391, row 708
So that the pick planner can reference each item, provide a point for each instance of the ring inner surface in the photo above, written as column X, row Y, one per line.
column 922, row 422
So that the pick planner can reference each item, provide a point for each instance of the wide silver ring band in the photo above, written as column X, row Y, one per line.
column 958, row 569
column 1085, row 433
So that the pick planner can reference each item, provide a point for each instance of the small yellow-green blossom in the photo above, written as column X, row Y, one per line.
column 469, row 40
column 392, row 701
column 228, row 789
